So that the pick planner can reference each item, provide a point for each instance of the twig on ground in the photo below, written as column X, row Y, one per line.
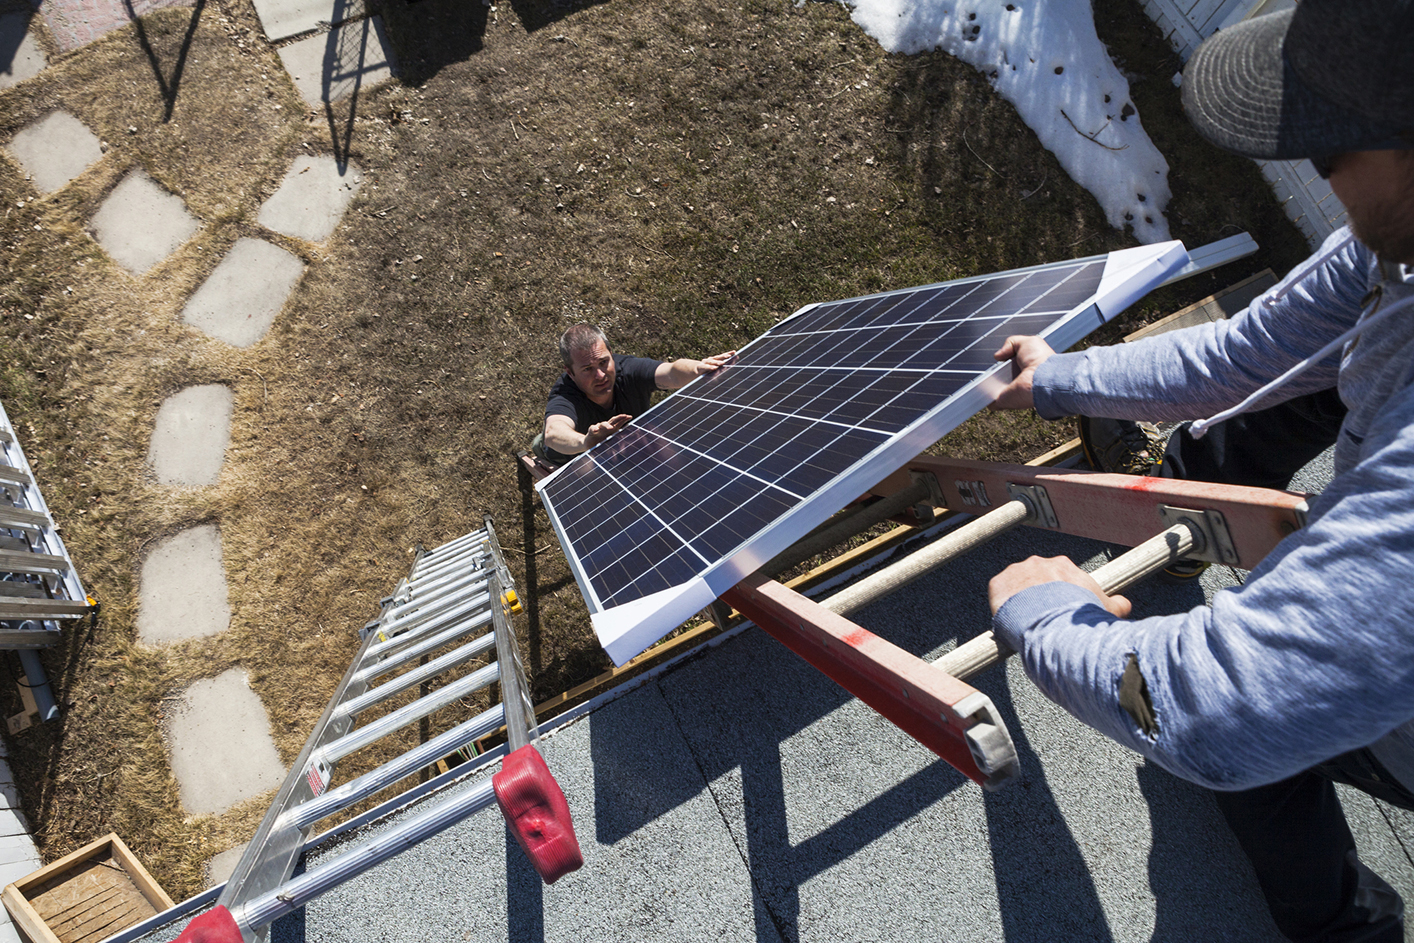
column 538, row 550
column 1092, row 137
column 979, row 157
column 1028, row 194
column 659, row 251
column 517, row 133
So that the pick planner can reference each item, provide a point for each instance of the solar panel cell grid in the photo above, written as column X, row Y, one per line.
column 713, row 469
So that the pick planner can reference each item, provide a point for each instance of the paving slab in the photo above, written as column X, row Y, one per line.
column 140, row 223
column 79, row 22
column 20, row 56
column 182, row 592
column 348, row 59
column 282, row 19
column 54, row 150
column 220, row 868
column 190, row 434
column 220, row 746
column 312, row 198
column 240, row 299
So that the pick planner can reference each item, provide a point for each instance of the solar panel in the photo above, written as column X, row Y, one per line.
column 715, row 480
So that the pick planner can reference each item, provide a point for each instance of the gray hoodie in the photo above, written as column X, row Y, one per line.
column 1314, row 654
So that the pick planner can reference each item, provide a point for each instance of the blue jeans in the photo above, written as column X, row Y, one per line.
column 1262, row 449
column 1295, row 834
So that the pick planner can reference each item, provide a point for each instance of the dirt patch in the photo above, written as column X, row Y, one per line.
column 684, row 176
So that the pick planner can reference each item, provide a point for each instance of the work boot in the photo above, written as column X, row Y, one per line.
column 1132, row 448
column 1121, row 445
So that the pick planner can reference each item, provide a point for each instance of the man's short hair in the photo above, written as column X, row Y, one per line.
column 580, row 337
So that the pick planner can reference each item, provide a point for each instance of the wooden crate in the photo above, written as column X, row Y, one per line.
column 88, row 895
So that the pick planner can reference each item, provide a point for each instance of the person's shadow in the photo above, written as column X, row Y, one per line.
column 14, row 25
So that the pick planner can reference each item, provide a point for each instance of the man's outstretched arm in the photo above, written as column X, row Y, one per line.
column 561, row 435
column 681, row 372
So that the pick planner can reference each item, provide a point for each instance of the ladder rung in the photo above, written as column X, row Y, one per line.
column 13, row 475
column 42, row 637
column 11, row 516
column 307, row 813
column 397, row 623
column 454, row 570
column 21, row 589
column 475, row 537
column 14, row 607
column 440, row 576
column 12, row 561
column 421, row 624
column 457, row 556
column 374, row 668
column 396, row 720
column 458, row 656
column 410, row 610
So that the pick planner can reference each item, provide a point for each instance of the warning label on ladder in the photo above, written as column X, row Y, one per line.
column 318, row 777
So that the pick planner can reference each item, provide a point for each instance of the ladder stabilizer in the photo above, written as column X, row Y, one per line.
column 537, row 814
column 215, row 926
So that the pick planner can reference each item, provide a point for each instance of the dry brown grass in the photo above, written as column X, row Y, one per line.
column 683, row 175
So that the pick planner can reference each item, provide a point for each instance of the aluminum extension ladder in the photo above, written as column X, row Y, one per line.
column 1162, row 519
column 457, row 601
column 39, row 587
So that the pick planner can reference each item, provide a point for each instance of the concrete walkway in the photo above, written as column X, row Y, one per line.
column 219, row 724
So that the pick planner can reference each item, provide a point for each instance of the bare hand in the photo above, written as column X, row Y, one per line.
column 1034, row 571
column 1026, row 353
column 602, row 430
column 713, row 364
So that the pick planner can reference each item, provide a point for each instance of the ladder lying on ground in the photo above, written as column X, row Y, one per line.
column 456, row 601
column 1162, row 519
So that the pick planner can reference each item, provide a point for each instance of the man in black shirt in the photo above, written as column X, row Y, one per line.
column 600, row 392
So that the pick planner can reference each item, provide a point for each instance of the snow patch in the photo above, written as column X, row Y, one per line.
column 1044, row 57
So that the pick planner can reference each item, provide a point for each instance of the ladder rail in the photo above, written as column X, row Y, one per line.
column 300, row 890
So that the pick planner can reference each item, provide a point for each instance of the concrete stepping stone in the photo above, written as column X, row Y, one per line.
column 312, row 198
column 20, row 56
column 140, row 224
column 239, row 301
column 190, row 435
column 282, row 19
column 182, row 589
column 220, row 746
column 78, row 24
column 55, row 149
column 220, row 868
column 329, row 67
